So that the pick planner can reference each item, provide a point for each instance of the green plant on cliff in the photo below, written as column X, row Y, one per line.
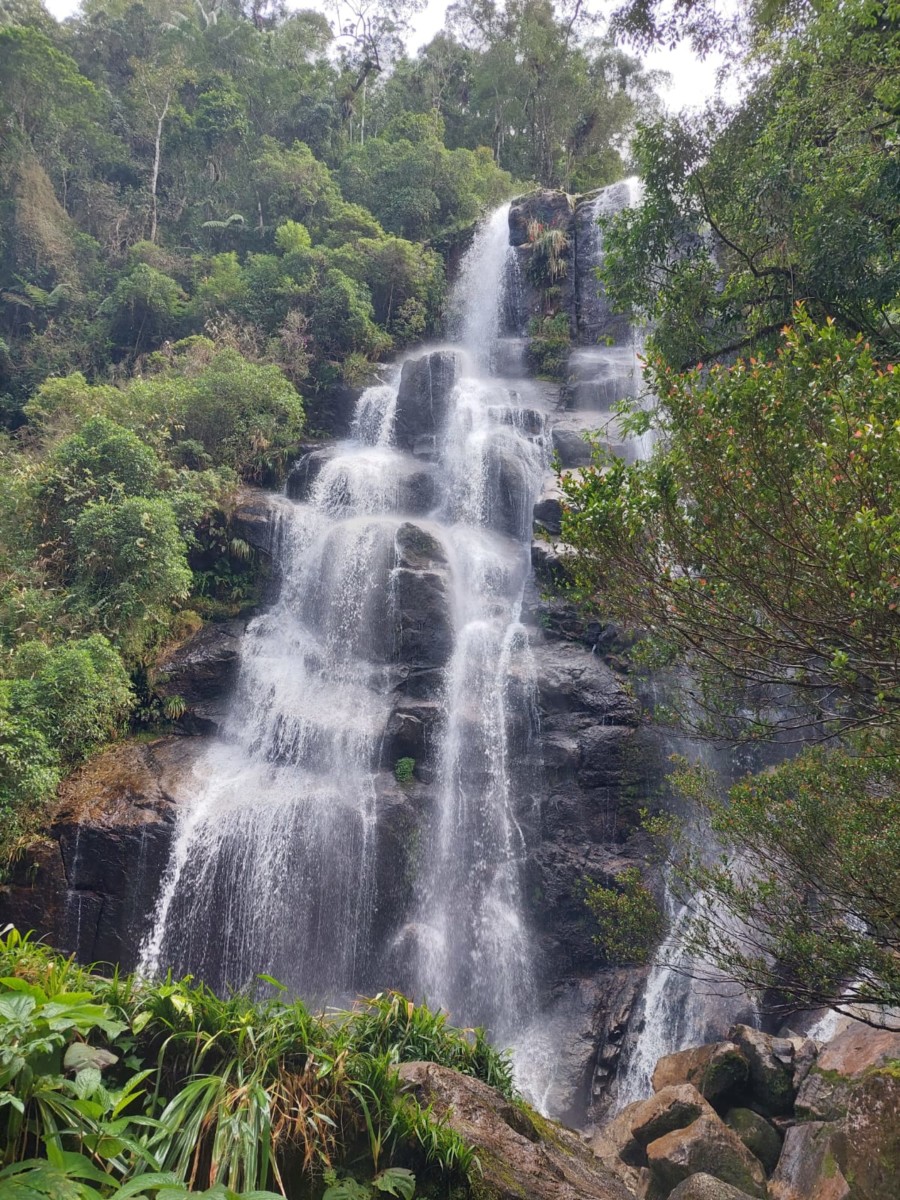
column 629, row 921
column 122, row 1086
column 548, row 345
column 403, row 770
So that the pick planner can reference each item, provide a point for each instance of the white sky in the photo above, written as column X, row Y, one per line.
column 693, row 80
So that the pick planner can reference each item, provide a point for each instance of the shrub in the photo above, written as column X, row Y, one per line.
column 629, row 921
column 77, row 695
column 403, row 769
column 131, row 566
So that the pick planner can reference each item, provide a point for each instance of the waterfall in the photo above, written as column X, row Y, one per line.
column 402, row 568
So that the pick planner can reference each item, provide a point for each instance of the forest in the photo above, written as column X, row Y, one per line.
column 218, row 220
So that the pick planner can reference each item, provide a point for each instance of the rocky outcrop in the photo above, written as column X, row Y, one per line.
column 716, row 1070
column 522, row 1156
column 423, row 400
column 201, row 674
column 854, row 1152
column 91, row 885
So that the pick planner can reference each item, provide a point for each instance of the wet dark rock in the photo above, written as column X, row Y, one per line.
column 202, row 672
column 418, row 548
column 91, row 886
column 423, row 633
column 596, row 320
column 547, row 208
column 306, row 471
column 548, row 511
column 256, row 519
column 521, row 1154
column 412, row 731
column 424, row 398
column 507, row 509
column 577, row 689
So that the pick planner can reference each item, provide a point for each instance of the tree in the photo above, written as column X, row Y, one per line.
column 761, row 538
column 789, row 198
column 802, row 906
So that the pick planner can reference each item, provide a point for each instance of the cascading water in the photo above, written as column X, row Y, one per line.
column 274, row 862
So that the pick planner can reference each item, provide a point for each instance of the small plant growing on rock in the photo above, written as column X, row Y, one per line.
column 403, row 770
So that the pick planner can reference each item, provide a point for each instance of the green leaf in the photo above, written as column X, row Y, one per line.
column 86, row 1082
column 16, row 1008
column 396, row 1181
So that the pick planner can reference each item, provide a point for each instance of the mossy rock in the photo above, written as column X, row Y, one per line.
column 758, row 1135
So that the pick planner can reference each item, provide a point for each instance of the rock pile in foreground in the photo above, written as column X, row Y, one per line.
column 772, row 1118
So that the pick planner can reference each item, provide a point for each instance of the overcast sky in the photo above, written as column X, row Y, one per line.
column 693, row 81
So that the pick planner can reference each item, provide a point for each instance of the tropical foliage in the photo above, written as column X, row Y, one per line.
column 120, row 1087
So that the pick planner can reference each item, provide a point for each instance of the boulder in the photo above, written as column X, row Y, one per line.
column 201, row 672
column 771, row 1068
column 707, row 1146
column 423, row 399
column 631, row 1131
column 548, row 511
column 826, row 1092
column 706, row 1187
column 715, row 1069
column 571, row 447
column 522, row 1156
column 760, row 1137
column 90, row 887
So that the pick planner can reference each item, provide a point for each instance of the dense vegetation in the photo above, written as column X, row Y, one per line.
column 758, row 546
column 211, row 217
column 119, row 1087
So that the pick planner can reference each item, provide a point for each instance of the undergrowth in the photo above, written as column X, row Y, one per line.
column 113, row 1087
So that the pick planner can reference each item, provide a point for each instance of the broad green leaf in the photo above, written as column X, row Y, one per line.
column 87, row 1081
